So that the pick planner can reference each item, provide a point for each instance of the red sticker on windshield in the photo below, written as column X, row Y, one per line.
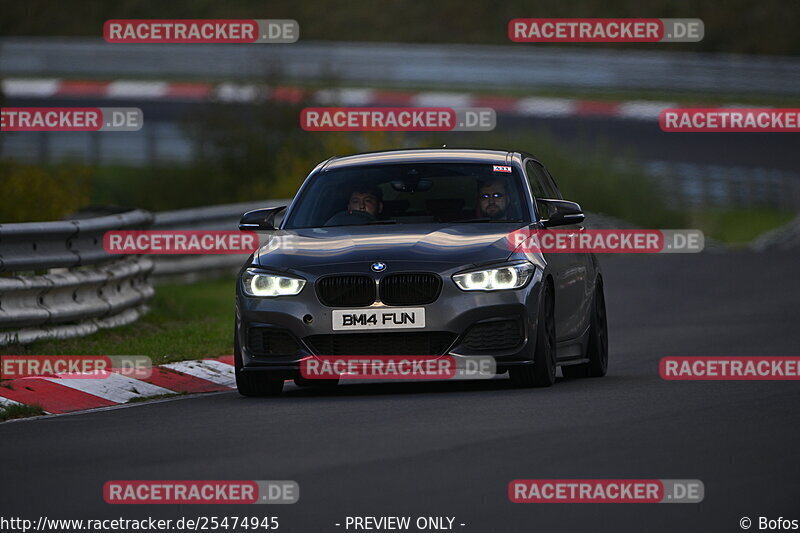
column 498, row 168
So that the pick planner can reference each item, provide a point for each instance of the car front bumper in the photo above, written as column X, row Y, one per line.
column 451, row 316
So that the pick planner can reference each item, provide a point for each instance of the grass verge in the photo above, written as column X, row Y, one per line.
column 156, row 397
column 8, row 412
column 185, row 322
column 737, row 227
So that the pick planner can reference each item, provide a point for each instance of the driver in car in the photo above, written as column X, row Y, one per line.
column 492, row 199
column 364, row 204
column 366, row 199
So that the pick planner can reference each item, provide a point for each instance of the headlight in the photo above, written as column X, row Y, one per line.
column 261, row 284
column 495, row 279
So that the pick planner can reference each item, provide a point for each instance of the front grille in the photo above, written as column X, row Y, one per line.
column 417, row 343
column 346, row 291
column 410, row 288
column 271, row 341
column 494, row 336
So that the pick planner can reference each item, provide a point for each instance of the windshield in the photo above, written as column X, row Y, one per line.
column 413, row 193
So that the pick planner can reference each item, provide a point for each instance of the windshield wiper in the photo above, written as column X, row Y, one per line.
column 486, row 219
column 390, row 221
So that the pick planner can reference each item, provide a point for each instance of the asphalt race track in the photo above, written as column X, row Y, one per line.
column 450, row 449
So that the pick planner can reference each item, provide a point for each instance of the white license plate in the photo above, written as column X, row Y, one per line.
column 394, row 318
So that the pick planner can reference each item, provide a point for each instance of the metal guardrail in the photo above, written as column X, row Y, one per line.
column 726, row 186
column 520, row 66
column 62, row 244
column 62, row 283
column 189, row 268
column 59, row 281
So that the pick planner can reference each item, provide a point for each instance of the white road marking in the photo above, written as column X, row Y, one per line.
column 643, row 110
column 116, row 388
column 208, row 369
column 6, row 401
column 546, row 107
column 232, row 92
column 345, row 97
column 25, row 87
column 137, row 89
column 432, row 99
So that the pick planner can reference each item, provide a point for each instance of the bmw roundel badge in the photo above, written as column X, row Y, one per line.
column 378, row 267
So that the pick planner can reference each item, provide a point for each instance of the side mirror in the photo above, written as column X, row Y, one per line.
column 560, row 213
column 260, row 219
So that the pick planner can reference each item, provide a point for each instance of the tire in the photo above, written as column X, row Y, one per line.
column 597, row 348
column 252, row 384
column 304, row 382
column 543, row 371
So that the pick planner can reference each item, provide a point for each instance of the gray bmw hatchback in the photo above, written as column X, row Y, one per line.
column 407, row 252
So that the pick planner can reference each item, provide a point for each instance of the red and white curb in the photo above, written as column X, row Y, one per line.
column 56, row 394
column 248, row 93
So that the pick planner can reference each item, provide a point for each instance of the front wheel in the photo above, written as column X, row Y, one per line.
column 597, row 349
column 543, row 371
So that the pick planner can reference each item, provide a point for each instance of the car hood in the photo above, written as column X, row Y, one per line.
column 456, row 244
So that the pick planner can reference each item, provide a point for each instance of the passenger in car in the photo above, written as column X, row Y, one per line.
column 492, row 199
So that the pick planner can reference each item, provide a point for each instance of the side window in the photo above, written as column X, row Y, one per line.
column 541, row 183
column 536, row 179
column 554, row 187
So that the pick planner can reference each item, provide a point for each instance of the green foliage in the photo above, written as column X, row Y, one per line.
column 257, row 154
column 741, row 26
column 8, row 412
column 737, row 226
column 31, row 193
column 268, row 156
column 261, row 153
column 596, row 177
column 265, row 154
column 185, row 322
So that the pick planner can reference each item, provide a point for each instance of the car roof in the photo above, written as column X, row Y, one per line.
column 430, row 155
